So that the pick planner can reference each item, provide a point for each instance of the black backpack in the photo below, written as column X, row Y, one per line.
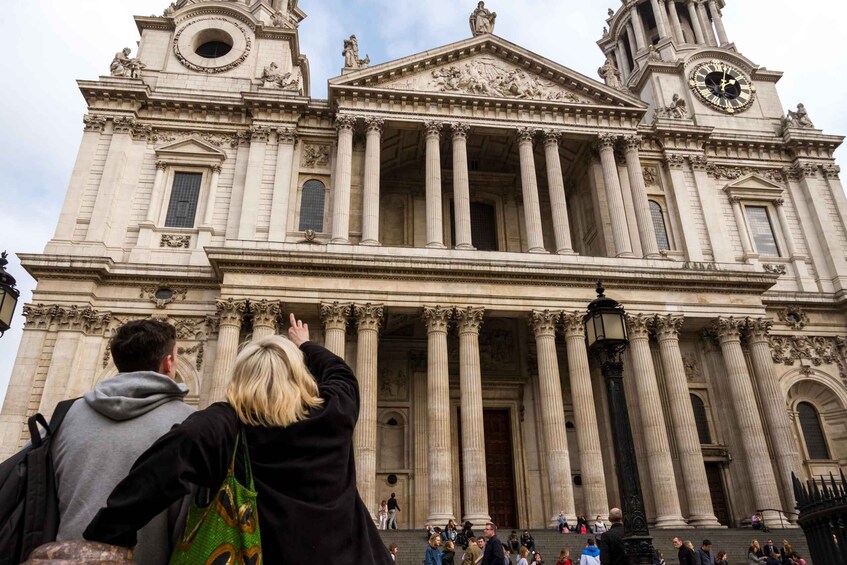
column 29, row 505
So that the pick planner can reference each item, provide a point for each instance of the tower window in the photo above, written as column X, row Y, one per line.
column 183, row 204
column 659, row 226
column 312, row 206
column 212, row 43
column 813, row 435
column 701, row 419
column 761, row 229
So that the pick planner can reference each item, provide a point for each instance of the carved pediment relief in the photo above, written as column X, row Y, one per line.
column 488, row 76
column 753, row 186
column 190, row 149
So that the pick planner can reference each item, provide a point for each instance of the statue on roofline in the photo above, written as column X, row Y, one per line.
column 125, row 66
column 482, row 20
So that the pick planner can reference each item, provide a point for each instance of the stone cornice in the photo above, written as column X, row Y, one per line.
column 105, row 270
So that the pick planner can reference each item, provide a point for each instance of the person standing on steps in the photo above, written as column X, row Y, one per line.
column 393, row 509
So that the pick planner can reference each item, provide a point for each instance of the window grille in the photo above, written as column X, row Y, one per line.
column 312, row 206
column 762, row 230
column 659, row 226
column 183, row 205
column 810, row 423
column 701, row 419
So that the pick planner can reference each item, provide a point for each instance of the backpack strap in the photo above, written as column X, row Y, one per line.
column 59, row 414
column 51, row 428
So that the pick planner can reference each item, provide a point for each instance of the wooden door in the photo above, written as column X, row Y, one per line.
column 718, row 493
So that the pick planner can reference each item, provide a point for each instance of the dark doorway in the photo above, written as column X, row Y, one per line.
column 718, row 493
column 499, row 468
column 483, row 226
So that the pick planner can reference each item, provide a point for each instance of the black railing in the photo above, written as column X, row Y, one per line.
column 782, row 513
column 823, row 516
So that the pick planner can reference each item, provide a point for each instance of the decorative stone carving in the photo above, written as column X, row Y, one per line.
column 230, row 311
column 552, row 137
column 775, row 269
column 38, row 316
column 265, row 313
column 187, row 63
column 793, row 317
column 315, row 156
column 175, row 241
column 189, row 328
column 345, row 122
column 677, row 110
column 651, row 175
column 151, row 293
column 94, row 123
column 799, row 119
column 489, row 76
column 831, row 171
column 351, row 55
column 335, row 314
column 73, row 318
column 437, row 318
column 655, row 56
column 699, row 162
column 638, row 324
column 722, row 172
column 273, row 78
column 368, row 316
column 124, row 124
column 605, row 140
column 525, row 134
column 692, row 369
column 803, row 170
column 433, row 128
column 124, row 66
column 460, row 130
column 374, row 124
column 199, row 350
column 469, row 318
column 482, row 20
column 728, row 329
column 393, row 384
column 819, row 350
column 573, row 324
column 610, row 73
column 259, row 133
column 667, row 326
column 675, row 161
column 544, row 322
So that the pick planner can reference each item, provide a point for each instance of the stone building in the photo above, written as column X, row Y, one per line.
column 443, row 219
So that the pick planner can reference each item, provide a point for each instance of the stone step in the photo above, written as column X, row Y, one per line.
column 412, row 543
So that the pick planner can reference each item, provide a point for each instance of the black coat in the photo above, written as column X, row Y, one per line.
column 686, row 555
column 305, row 475
column 493, row 554
column 612, row 551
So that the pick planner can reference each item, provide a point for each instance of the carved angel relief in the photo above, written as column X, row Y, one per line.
column 487, row 76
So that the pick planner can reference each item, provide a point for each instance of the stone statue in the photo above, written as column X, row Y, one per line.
column 611, row 12
column 610, row 74
column 351, row 55
column 799, row 119
column 677, row 110
column 273, row 78
column 655, row 55
column 124, row 66
column 482, row 20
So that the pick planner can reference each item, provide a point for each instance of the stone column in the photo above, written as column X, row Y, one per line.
column 675, row 23
column 209, row 212
column 475, row 495
column 694, row 16
column 661, row 19
column 461, row 187
column 741, row 224
column 778, row 423
column 434, row 224
column 558, row 201
column 114, row 171
column 343, row 178
column 156, row 196
column 370, row 207
column 626, row 70
column 553, row 416
column 718, row 19
column 640, row 34
column 744, row 402
column 633, row 46
column 529, row 183
column 656, row 444
column 614, row 197
column 700, row 511
column 706, row 22
column 265, row 314
column 230, row 312
column 643, row 217
column 334, row 317
column 690, row 236
column 585, row 418
column 253, row 182
column 438, row 416
column 286, row 140
column 368, row 320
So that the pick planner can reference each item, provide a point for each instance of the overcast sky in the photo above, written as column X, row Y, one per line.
column 51, row 43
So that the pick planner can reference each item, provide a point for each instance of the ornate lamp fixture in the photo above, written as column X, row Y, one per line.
column 8, row 295
column 606, row 337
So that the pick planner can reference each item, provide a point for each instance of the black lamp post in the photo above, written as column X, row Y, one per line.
column 606, row 337
column 8, row 295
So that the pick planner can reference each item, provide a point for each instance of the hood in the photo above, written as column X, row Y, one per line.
column 130, row 395
column 591, row 550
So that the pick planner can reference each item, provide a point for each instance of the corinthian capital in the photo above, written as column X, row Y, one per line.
column 335, row 315
column 374, row 125
column 728, row 329
column 265, row 313
column 525, row 135
column 552, row 137
column 606, row 141
column 543, row 323
column 469, row 319
column 230, row 311
column 460, row 130
column 433, row 129
column 632, row 142
column 667, row 327
column 345, row 123
column 638, row 325
column 758, row 329
column 437, row 319
column 368, row 316
column 573, row 324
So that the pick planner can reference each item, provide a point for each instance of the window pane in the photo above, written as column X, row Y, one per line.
column 812, row 431
column 760, row 227
column 183, row 205
column 312, row 206
column 701, row 419
column 659, row 226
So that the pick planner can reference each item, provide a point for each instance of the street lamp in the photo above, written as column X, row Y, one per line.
column 8, row 295
column 606, row 338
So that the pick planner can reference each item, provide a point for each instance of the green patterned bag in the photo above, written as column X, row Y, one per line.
column 226, row 532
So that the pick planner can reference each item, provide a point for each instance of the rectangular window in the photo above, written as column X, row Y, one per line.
column 762, row 230
column 183, row 205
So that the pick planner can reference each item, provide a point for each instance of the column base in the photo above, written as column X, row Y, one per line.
column 466, row 247
column 704, row 521
column 566, row 252
column 441, row 518
column 670, row 522
column 478, row 521
column 370, row 243
column 538, row 250
column 339, row 241
column 436, row 245
column 626, row 254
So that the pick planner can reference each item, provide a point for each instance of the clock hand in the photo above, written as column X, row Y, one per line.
column 723, row 81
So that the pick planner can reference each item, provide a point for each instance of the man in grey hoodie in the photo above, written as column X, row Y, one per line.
column 105, row 432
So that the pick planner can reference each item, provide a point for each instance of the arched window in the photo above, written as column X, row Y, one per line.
column 701, row 419
column 659, row 226
column 312, row 206
column 813, row 434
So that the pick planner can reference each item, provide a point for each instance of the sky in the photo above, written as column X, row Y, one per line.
column 52, row 43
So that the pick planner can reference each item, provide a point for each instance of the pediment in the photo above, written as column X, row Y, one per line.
column 754, row 186
column 488, row 67
column 190, row 149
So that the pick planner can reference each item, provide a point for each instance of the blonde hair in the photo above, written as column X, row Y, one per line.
column 435, row 540
column 271, row 386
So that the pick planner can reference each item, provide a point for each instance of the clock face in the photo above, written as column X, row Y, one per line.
column 722, row 86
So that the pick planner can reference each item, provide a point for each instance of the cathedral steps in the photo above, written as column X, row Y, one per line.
column 412, row 543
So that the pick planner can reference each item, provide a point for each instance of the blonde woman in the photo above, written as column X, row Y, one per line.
column 433, row 555
column 523, row 553
column 755, row 556
column 298, row 405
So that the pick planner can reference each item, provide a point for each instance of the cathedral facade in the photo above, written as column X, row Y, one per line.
column 440, row 221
